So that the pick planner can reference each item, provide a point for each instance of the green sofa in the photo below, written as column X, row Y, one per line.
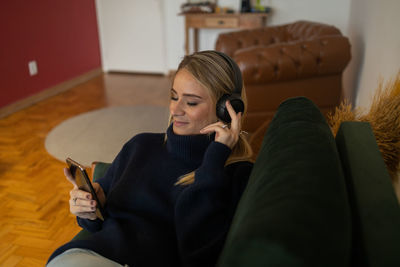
column 313, row 200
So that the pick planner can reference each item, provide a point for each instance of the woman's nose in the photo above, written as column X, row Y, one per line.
column 175, row 108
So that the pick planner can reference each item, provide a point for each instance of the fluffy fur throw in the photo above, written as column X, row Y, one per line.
column 384, row 117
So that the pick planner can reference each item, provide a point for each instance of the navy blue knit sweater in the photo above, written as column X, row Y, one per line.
column 152, row 222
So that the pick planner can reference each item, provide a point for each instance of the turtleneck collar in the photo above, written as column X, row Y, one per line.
column 190, row 148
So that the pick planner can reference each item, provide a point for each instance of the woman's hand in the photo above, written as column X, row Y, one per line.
column 81, row 202
column 223, row 133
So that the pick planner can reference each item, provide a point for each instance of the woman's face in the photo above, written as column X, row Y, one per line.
column 191, row 107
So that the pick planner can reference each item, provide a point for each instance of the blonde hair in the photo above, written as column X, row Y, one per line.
column 213, row 72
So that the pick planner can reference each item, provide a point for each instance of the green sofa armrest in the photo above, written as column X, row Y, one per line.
column 99, row 169
column 374, row 205
column 294, row 211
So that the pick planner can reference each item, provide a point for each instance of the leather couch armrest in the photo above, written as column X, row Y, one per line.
column 323, row 55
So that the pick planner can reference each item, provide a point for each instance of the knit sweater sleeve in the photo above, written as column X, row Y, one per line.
column 204, row 209
column 106, row 183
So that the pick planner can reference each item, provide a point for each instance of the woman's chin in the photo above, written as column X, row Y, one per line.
column 179, row 129
column 184, row 130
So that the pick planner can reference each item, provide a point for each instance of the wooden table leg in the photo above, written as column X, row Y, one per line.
column 186, row 37
column 196, row 39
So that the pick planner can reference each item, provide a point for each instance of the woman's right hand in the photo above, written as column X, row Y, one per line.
column 81, row 202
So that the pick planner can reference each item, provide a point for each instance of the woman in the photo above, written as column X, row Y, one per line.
column 170, row 198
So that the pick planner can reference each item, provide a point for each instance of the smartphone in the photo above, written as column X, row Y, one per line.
column 82, row 180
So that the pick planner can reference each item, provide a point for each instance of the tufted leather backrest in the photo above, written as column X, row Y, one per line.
column 294, row 60
column 305, row 30
column 300, row 30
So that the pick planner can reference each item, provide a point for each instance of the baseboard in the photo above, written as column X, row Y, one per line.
column 52, row 91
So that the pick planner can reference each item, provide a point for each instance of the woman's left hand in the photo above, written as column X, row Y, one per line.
column 223, row 133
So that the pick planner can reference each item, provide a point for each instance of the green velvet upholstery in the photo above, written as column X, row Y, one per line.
column 81, row 235
column 99, row 169
column 375, row 209
column 294, row 211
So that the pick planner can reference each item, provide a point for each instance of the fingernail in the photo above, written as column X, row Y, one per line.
column 93, row 208
column 88, row 196
column 92, row 203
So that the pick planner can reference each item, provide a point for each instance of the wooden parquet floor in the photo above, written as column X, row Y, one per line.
column 34, row 194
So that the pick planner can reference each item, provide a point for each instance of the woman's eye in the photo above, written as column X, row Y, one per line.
column 174, row 98
column 192, row 103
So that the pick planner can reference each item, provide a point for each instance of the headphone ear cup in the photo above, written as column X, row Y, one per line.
column 236, row 103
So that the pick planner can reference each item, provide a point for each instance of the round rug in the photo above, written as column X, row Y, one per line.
column 100, row 134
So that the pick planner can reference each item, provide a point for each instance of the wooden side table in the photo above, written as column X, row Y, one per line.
column 220, row 21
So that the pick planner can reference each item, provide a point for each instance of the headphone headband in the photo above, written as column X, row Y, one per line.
column 234, row 98
column 238, row 82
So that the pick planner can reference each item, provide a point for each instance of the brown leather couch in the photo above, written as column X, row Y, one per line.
column 297, row 59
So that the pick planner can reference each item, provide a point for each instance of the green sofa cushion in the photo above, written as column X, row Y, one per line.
column 375, row 208
column 294, row 211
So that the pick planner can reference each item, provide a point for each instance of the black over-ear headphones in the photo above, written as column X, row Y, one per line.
column 235, row 98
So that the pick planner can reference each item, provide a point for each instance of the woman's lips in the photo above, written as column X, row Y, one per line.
column 180, row 123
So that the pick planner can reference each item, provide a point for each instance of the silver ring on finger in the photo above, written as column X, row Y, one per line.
column 224, row 126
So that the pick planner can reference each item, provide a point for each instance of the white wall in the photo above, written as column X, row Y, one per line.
column 334, row 12
column 132, row 35
column 175, row 33
column 375, row 37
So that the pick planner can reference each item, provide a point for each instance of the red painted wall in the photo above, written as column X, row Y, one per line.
column 61, row 35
